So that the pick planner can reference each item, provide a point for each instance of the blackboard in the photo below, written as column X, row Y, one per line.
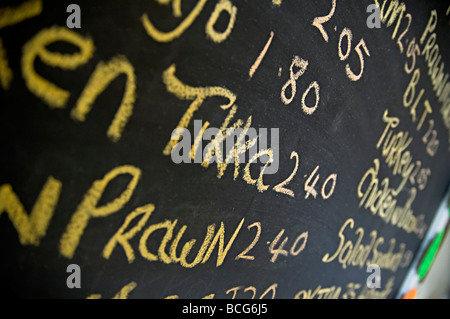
column 87, row 177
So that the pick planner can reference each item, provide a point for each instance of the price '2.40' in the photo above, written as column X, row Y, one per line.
column 310, row 183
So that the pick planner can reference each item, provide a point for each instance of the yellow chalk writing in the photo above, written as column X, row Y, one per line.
column 28, row 9
column 88, row 209
column 259, row 181
column 122, row 294
column 222, row 5
column 150, row 230
column 176, row 6
column 54, row 96
column 125, row 291
column 351, row 253
column 394, row 10
column 220, row 236
column 31, row 228
column 103, row 75
column 121, row 237
column 10, row 16
column 196, row 94
column 161, row 36
column 6, row 74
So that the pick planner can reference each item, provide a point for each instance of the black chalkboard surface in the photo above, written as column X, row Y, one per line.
column 106, row 162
